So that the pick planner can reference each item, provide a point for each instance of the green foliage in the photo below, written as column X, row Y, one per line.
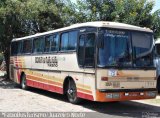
column 135, row 12
column 40, row 15
column 156, row 23
column 24, row 17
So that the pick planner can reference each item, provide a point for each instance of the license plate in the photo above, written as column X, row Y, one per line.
column 131, row 94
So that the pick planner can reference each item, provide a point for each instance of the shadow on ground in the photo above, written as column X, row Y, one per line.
column 123, row 109
column 7, row 84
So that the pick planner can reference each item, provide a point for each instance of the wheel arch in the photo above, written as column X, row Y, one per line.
column 65, row 83
column 22, row 73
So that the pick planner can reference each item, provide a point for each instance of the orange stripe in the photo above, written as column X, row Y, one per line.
column 55, row 83
column 83, row 90
column 43, row 80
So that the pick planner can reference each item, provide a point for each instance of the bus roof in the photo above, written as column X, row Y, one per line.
column 91, row 24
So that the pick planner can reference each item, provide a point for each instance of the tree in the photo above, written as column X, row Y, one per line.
column 20, row 18
column 135, row 12
column 156, row 23
column 9, row 26
column 41, row 15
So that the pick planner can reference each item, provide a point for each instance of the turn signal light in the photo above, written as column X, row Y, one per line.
column 104, row 78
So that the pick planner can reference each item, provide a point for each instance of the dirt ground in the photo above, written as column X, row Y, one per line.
column 14, row 99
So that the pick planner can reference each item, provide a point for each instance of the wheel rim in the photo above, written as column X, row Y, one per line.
column 23, row 82
column 71, row 92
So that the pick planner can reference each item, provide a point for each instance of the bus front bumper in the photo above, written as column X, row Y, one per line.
column 125, row 95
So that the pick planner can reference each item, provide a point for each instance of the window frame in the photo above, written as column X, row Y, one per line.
column 11, row 49
column 20, row 53
column 30, row 39
column 132, row 56
column 52, row 34
column 60, row 45
column 60, row 41
column 34, row 53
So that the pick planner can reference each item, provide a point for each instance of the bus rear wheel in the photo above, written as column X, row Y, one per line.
column 24, row 82
column 72, row 92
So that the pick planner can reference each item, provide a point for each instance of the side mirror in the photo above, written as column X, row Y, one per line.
column 156, row 51
column 100, row 40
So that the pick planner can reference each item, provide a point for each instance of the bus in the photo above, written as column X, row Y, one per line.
column 97, row 61
column 157, row 62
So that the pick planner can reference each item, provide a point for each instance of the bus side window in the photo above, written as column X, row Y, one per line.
column 27, row 46
column 69, row 41
column 64, row 41
column 54, row 42
column 38, row 45
column 19, row 48
column 13, row 48
column 72, row 43
column 48, row 40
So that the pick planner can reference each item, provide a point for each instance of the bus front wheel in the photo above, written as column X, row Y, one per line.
column 24, row 82
column 72, row 92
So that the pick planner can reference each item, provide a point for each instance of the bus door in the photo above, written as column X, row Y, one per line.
column 86, row 58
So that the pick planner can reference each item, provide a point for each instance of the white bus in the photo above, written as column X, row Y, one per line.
column 98, row 61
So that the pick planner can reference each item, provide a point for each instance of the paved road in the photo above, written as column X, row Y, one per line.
column 13, row 99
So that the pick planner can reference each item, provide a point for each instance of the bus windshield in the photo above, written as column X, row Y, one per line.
column 125, row 49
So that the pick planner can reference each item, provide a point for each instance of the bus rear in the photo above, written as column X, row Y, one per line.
column 125, row 69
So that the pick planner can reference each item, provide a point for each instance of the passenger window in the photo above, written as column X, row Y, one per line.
column 64, row 42
column 47, row 43
column 27, row 46
column 38, row 45
column 14, row 48
column 69, row 41
column 72, row 43
column 19, row 47
column 54, row 43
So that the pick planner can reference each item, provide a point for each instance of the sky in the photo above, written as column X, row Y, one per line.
column 157, row 5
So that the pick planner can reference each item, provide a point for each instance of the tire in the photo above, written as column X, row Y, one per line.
column 158, row 84
column 72, row 92
column 24, row 82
